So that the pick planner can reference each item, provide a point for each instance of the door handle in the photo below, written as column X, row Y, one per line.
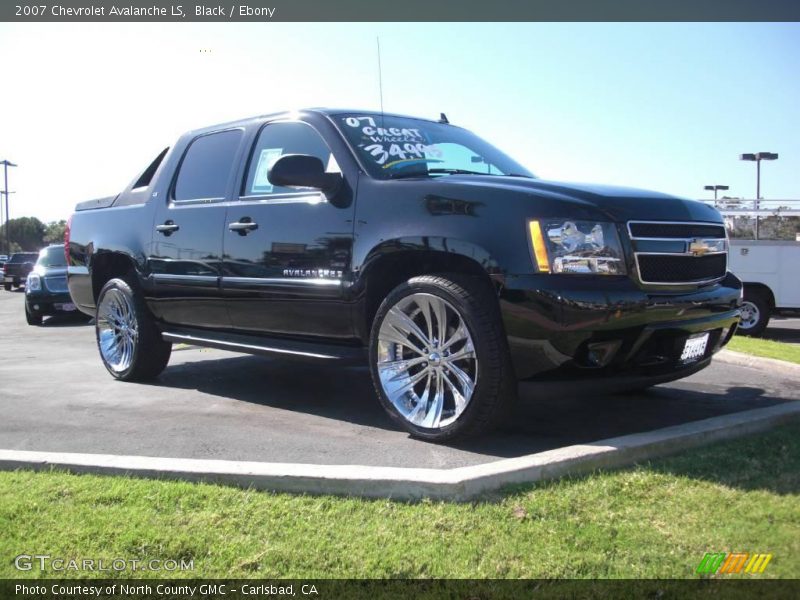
column 243, row 226
column 168, row 228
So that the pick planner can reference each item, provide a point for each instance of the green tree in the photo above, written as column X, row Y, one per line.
column 26, row 232
column 54, row 234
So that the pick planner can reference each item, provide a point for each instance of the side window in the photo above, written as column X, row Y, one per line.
column 274, row 141
column 207, row 165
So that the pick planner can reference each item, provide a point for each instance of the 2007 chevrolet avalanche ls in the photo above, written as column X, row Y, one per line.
column 342, row 235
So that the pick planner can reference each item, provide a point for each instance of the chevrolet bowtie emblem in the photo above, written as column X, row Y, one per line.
column 698, row 247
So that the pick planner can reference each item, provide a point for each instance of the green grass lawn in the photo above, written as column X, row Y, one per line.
column 767, row 348
column 653, row 520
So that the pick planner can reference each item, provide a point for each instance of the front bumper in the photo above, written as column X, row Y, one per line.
column 570, row 328
column 49, row 303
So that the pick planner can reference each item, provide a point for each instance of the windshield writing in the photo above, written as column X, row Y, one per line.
column 399, row 147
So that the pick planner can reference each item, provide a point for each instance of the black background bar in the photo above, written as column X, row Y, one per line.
column 402, row 10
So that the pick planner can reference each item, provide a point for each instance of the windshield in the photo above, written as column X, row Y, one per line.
column 52, row 256
column 394, row 147
column 23, row 257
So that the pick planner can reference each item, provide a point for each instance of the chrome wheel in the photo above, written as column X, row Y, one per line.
column 749, row 315
column 117, row 330
column 426, row 360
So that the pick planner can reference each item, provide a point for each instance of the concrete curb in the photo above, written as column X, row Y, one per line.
column 458, row 484
column 758, row 362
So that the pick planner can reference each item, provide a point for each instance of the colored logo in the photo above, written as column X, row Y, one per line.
column 698, row 247
column 730, row 563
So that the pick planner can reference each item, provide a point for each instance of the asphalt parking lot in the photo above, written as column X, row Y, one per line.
column 784, row 328
column 56, row 396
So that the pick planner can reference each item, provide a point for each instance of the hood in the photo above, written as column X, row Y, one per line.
column 49, row 271
column 618, row 204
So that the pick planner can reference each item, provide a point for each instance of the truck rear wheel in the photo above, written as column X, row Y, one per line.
column 439, row 358
column 130, row 344
column 7, row 287
column 754, row 316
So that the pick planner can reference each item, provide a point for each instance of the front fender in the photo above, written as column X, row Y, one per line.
column 429, row 244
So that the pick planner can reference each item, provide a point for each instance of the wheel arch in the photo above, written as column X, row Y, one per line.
column 395, row 261
column 108, row 265
column 762, row 289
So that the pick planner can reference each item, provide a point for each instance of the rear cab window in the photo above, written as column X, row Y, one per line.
column 25, row 257
column 147, row 175
column 206, row 167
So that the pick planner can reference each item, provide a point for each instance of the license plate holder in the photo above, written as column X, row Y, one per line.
column 694, row 348
column 66, row 307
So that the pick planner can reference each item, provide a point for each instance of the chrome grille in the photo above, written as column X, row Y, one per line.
column 676, row 253
column 56, row 284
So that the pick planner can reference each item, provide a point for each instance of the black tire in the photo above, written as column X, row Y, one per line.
column 17, row 286
column 495, row 388
column 32, row 317
column 756, row 306
column 7, row 287
column 150, row 352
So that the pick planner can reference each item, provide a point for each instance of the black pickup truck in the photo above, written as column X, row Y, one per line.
column 337, row 235
column 16, row 270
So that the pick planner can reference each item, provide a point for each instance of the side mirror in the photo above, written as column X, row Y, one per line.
column 303, row 170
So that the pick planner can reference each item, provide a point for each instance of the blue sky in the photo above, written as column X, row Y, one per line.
column 660, row 106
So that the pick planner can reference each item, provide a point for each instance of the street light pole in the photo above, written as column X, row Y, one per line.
column 7, row 164
column 758, row 183
column 757, row 158
column 715, row 188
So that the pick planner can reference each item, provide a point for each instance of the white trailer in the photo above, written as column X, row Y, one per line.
column 769, row 269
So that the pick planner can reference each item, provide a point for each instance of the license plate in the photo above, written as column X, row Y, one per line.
column 694, row 348
column 67, row 306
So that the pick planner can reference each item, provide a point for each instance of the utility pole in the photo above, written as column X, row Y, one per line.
column 7, row 164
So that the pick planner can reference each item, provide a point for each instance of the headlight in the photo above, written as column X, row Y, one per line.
column 33, row 283
column 570, row 246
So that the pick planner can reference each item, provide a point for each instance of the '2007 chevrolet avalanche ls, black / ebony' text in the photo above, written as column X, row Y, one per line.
column 341, row 235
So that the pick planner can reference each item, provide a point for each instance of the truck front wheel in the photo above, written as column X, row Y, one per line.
column 130, row 344
column 439, row 358
column 32, row 317
column 754, row 315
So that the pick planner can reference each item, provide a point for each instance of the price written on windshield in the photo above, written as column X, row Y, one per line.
column 401, row 143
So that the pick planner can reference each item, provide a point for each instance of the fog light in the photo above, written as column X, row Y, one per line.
column 35, row 307
column 599, row 354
